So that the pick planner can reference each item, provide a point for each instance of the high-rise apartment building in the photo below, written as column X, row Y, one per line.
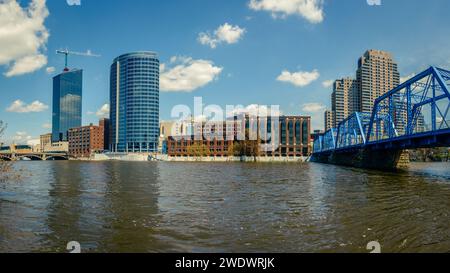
column 67, row 95
column 329, row 120
column 377, row 74
column 134, row 100
column 342, row 104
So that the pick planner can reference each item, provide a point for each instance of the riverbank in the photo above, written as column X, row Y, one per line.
column 165, row 158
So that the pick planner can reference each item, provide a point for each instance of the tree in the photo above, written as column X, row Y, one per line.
column 198, row 150
column 5, row 166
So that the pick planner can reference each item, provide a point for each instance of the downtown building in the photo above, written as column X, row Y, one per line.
column 342, row 99
column 87, row 140
column 67, row 103
column 134, row 101
column 377, row 74
column 291, row 139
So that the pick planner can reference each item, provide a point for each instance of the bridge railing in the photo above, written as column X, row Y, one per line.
column 421, row 105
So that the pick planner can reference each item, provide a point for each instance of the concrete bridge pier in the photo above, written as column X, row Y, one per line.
column 366, row 158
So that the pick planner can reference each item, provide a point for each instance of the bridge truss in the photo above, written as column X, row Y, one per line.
column 413, row 115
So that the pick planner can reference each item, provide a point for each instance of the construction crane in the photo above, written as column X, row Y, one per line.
column 66, row 53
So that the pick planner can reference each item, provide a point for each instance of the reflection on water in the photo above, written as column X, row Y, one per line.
column 202, row 207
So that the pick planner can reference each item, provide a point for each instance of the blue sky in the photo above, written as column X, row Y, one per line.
column 320, row 43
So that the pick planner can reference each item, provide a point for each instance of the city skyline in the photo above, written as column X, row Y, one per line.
column 224, row 44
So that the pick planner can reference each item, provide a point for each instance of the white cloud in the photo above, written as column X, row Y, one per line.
column 316, row 111
column 33, row 142
column 188, row 75
column 19, row 106
column 255, row 109
column 328, row 83
column 23, row 36
column 47, row 125
column 21, row 137
column 404, row 79
column 27, row 65
column 300, row 78
column 50, row 70
column 225, row 33
column 313, row 107
column 311, row 10
column 103, row 112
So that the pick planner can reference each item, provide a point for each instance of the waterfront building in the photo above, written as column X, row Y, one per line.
column 67, row 107
column 105, row 126
column 293, row 139
column 329, row 120
column 47, row 146
column 376, row 75
column 134, row 101
column 45, row 141
column 86, row 140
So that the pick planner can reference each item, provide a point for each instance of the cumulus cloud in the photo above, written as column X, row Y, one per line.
column 187, row 74
column 26, row 65
column 19, row 106
column 103, row 112
column 225, row 33
column 313, row 107
column 50, row 70
column 311, row 10
column 328, row 83
column 316, row 111
column 404, row 79
column 23, row 36
column 300, row 78
column 255, row 109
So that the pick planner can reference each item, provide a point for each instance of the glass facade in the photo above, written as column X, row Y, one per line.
column 134, row 95
column 67, row 109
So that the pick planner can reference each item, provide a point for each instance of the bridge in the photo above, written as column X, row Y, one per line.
column 9, row 156
column 413, row 115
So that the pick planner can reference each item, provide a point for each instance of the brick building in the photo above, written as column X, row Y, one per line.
column 293, row 139
column 86, row 140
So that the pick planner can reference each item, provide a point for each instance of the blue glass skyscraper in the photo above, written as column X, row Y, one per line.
column 67, row 95
column 134, row 101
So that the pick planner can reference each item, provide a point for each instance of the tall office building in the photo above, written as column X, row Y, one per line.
column 134, row 100
column 342, row 104
column 377, row 74
column 67, row 95
column 329, row 120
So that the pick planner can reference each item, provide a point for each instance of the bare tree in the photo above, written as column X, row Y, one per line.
column 5, row 166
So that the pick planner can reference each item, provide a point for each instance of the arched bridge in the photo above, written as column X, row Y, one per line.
column 413, row 115
column 8, row 156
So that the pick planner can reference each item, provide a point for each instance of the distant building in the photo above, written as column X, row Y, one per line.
column 377, row 74
column 67, row 109
column 342, row 99
column 293, row 139
column 86, row 140
column 47, row 146
column 45, row 141
column 329, row 120
column 134, row 101
column 105, row 125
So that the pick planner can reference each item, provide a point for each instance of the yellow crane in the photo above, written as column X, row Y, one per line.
column 66, row 54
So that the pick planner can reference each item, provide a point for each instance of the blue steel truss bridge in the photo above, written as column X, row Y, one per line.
column 413, row 115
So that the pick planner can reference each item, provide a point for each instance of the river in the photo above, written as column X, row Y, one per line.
column 224, row 207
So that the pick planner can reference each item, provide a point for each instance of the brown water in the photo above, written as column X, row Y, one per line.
column 179, row 207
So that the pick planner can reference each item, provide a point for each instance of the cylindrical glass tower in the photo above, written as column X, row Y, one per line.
column 134, row 102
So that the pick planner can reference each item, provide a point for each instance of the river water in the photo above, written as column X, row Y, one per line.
column 229, row 207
